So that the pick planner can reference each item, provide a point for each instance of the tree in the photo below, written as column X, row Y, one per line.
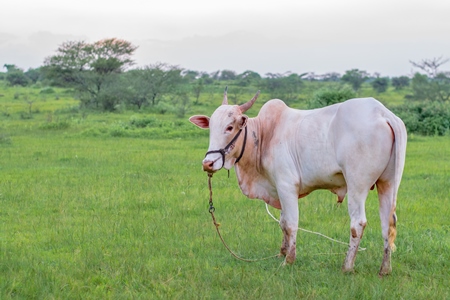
column 430, row 66
column 380, row 84
column 431, row 89
column 227, row 75
column 197, row 88
column 400, row 82
column 333, row 76
column 284, row 86
column 434, row 85
column 247, row 78
column 190, row 75
column 9, row 67
column 147, row 85
column 33, row 74
column 215, row 75
column 90, row 68
column 355, row 78
column 207, row 79
column 16, row 76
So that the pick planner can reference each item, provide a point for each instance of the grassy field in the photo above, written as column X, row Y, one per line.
column 96, row 207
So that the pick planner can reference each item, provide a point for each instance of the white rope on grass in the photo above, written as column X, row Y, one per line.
column 313, row 232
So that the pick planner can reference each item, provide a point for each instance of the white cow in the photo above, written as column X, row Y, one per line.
column 284, row 154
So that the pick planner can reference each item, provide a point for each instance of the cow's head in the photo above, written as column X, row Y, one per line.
column 225, row 125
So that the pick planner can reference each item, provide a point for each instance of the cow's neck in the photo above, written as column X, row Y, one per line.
column 252, row 148
column 250, row 170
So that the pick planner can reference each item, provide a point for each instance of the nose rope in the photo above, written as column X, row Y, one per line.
column 224, row 151
column 216, row 224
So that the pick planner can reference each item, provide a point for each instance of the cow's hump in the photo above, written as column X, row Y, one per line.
column 272, row 108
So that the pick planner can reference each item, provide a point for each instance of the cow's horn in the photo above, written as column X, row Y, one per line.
column 246, row 106
column 225, row 98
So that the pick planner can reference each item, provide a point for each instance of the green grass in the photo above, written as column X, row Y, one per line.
column 99, row 216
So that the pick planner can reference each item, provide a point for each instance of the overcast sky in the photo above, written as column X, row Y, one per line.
column 300, row 36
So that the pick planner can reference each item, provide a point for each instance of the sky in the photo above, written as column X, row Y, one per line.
column 298, row 36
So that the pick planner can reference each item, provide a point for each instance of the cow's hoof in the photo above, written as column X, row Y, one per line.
column 384, row 272
column 289, row 259
column 286, row 263
column 346, row 270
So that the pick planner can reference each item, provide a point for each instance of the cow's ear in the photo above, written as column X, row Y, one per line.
column 200, row 121
column 243, row 121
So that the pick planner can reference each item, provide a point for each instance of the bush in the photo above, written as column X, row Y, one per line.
column 47, row 90
column 426, row 118
column 331, row 95
column 144, row 122
column 17, row 77
column 163, row 107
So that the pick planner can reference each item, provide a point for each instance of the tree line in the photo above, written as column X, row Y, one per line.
column 103, row 76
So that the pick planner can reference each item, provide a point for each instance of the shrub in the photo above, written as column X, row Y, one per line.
column 47, row 90
column 426, row 118
column 163, row 107
column 144, row 122
column 331, row 95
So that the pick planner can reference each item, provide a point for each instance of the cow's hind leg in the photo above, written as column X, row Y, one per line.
column 388, row 219
column 358, row 221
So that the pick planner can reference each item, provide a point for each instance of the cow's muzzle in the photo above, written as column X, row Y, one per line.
column 208, row 165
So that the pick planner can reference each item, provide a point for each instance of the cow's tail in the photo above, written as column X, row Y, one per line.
column 399, row 152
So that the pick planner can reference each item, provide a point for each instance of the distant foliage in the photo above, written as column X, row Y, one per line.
column 355, row 78
column 400, row 83
column 227, row 75
column 426, row 118
column 47, row 90
column 17, row 77
column 144, row 122
column 330, row 95
column 92, row 69
column 285, row 86
column 248, row 78
column 380, row 84
column 431, row 89
column 434, row 85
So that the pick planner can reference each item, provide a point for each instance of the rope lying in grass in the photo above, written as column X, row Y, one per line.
column 217, row 225
column 211, row 211
column 313, row 232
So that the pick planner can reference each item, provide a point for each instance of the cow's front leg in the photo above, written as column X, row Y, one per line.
column 284, row 243
column 289, row 226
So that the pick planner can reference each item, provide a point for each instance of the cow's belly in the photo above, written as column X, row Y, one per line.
column 334, row 183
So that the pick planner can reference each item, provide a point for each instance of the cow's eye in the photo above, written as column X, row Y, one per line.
column 229, row 128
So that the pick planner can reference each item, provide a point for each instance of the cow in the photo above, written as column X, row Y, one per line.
column 284, row 154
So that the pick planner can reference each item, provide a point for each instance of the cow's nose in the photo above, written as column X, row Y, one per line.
column 208, row 166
